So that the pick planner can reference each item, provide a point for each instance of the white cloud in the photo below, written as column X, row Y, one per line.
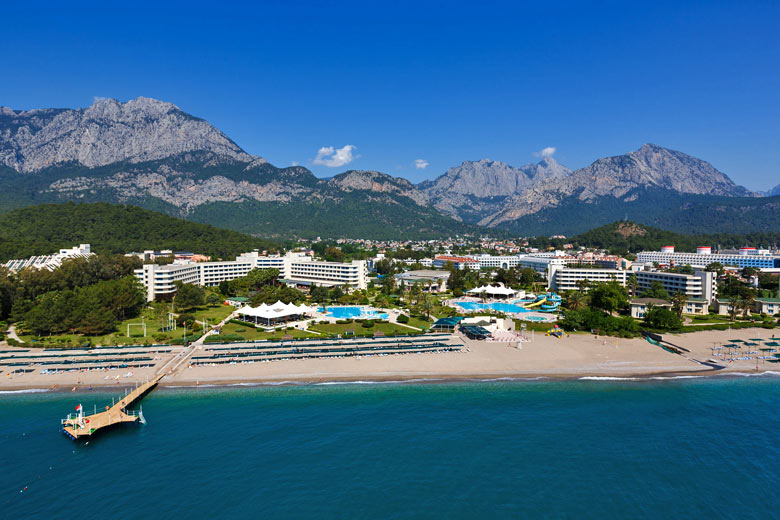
column 420, row 164
column 546, row 152
column 335, row 157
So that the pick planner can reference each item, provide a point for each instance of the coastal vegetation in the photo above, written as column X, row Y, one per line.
column 114, row 228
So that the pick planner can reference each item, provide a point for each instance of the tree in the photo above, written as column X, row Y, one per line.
column 609, row 296
column 746, row 304
column 662, row 318
column 583, row 284
column 212, row 299
column 334, row 254
column 188, row 296
column 678, row 303
column 733, row 307
column 319, row 294
column 715, row 267
column 336, row 293
column 633, row 284
column 656, row 290
column 576, row 300
column 426, row 305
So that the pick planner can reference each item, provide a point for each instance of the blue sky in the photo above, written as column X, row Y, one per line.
column 440, row 82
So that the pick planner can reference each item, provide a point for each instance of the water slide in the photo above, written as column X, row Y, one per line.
column 542, row 300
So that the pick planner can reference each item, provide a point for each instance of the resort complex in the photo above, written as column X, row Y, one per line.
column 294, row 268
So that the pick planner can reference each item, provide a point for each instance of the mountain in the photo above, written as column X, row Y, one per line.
column 112, row 228
column 623, row 178
column 152, row 154
column 107, row 132
column 774, row 191
column 475, row 189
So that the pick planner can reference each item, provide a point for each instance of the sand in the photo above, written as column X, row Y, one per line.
column 575, row 356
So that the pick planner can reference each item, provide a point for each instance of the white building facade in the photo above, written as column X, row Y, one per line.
column 158, row 280
column 49, row 262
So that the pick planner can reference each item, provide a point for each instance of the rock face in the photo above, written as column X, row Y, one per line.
column 151, row 153
column 477, row 188
column 377, row 182
column 140, row 130
column 649, row 167
column 774, row 191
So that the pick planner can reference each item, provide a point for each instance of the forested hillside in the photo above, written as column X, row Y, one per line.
column 110, row 228
column 621, row 237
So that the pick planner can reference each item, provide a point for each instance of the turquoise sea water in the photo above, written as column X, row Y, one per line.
column 687, row 448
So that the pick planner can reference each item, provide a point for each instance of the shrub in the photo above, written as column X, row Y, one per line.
column 367, row 324
column 244, row 323
column 159, row 337
column 13, row 342
column 403, row 318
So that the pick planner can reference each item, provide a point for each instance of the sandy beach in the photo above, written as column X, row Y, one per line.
column 575, row 356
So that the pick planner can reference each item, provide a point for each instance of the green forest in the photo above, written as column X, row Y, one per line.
column 114, row 228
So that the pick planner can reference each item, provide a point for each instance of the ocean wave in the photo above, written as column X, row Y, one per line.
column 766, row 373
column 25, row 391
column 608, row 378
column 378, row 382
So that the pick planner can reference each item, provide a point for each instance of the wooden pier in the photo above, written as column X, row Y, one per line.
column 80, row 426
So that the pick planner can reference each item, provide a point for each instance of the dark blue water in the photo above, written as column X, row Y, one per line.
column 592, row 449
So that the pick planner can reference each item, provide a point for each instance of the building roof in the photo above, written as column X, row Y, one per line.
column 448, row 322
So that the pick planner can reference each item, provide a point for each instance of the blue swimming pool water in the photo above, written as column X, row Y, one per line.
column 496, row 306
column 343, row 313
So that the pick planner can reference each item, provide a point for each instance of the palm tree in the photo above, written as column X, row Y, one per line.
column 678, row 303
column 633, row 284
column 583, row 284
column 576, row 300
column 734, row 308
column 746, row 304
column 427, row 306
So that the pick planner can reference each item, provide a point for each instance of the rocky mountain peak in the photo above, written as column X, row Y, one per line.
column 108, row 131
column 378, row 182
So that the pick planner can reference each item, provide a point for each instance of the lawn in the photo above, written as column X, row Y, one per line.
column 213, row 314
column 390, row 329
column 252, row 334
column 420, row 323
column 119, row 336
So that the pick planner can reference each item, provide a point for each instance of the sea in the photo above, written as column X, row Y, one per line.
column 595, row 448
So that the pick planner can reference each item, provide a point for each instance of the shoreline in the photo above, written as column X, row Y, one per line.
column 546, row 358
column 414, row 380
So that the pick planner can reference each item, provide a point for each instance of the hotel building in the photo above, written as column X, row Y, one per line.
column 746, row 257
column 294, row 269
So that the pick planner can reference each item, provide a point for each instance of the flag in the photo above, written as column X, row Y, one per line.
column 78, row 408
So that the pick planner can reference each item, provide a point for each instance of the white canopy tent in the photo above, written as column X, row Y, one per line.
column 500, row 291
column 275, row 313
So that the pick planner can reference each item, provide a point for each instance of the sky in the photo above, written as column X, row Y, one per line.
column 414, row 88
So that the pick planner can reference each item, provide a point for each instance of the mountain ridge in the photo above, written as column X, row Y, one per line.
column 151, row 153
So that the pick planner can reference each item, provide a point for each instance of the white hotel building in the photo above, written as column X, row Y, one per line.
column 565, row 278
column 50, row 262
column 701, row 285
column 747, row 257
column 294, row 268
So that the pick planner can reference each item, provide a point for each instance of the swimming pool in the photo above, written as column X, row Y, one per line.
column 508, row 308
column 343, row 313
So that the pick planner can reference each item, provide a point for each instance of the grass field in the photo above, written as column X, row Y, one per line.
column 251, row 333
column 389, row 329
column 119, row 337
